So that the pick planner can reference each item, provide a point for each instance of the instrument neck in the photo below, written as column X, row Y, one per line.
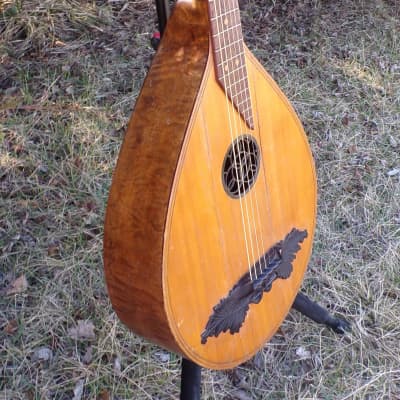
column 229, row 57
column 226, row 28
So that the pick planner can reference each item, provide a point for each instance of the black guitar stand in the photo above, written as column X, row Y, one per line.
column 191, row 372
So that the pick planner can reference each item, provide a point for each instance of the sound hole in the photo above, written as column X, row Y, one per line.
column 241, row 166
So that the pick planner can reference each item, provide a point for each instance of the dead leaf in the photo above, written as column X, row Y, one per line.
column 53, row 250
column 393, row 142
column 70, row 90
column 78, row 390
column 103, row 395
column 87, row 358
column 162, row 356
column 43, row 354
column 241, row 395
column 303, row 353
column 18, row 286
column 281, row 332
column 84, row 330
column 90, row 219
column 11, row 327
column 78, row 162
column 345, row 120
column 394, row 172
column 352, row 149
column 117, row 366
column 30, row 394
column 12, row 243
column 394, row 68
column 258, row 361
column 90, row 205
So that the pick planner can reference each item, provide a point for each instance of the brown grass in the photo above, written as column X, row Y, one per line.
column 69, row 75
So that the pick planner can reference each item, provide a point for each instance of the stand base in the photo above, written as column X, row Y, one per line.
column 314, row 311
column 191, row 372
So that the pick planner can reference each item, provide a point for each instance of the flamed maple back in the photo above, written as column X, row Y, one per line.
column 211, row 212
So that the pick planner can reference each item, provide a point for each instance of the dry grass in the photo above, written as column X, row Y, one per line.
column 70, row 72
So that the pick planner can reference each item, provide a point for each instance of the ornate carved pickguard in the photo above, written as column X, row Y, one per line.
column 230, row 312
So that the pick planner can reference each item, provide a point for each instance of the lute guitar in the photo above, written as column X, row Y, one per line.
column 211, row 212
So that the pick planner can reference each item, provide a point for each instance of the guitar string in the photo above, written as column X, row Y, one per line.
column 262, row 171
column 262, row 185
column 238, row 121
column 241, row 67
column 268, row 223
column 212, row 4
column 256, row 219
column 242, row 181
column 232, row 6
column 283, row 212
column 268, row 197
column 228, row 104
column 241, row 149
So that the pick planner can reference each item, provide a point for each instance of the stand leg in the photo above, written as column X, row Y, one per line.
column 162, row 14
column 318, row 314
column 191, row 372
column 190, row 380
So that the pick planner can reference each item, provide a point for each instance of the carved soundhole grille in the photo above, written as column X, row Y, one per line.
column 241, row 166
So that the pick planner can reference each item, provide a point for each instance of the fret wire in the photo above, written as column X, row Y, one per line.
column 228, row 31
column 228, row 53
column 235, row 18
column 231, row 44
column 215, row 16
column 232, row 53
column 222, row 24
column 228, row 48
column 235, row 46
column 228, row 5
column 238, row 92
column 243, row 102
column 243, row 79
column 245, row 90
column 246, row 107
column 230, row 28
column 233, row 11
column 248, row 110
column 237, row 86
column 239, row 56
column 241, row 67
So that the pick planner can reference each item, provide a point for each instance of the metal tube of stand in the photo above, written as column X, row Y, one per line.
column 190, row 380
column 162, row 14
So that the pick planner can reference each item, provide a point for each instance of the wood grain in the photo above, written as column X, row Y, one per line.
column 175, row 243
column 139, row 195
column 205, row 250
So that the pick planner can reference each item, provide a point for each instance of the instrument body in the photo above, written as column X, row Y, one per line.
column 174, row 240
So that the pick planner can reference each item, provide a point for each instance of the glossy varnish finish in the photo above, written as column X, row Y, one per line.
column 175, row 242
column 142, row 181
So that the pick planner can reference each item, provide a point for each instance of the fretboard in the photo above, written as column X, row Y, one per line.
column 230, row 63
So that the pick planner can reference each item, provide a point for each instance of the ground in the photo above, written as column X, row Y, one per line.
column 70, row 72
